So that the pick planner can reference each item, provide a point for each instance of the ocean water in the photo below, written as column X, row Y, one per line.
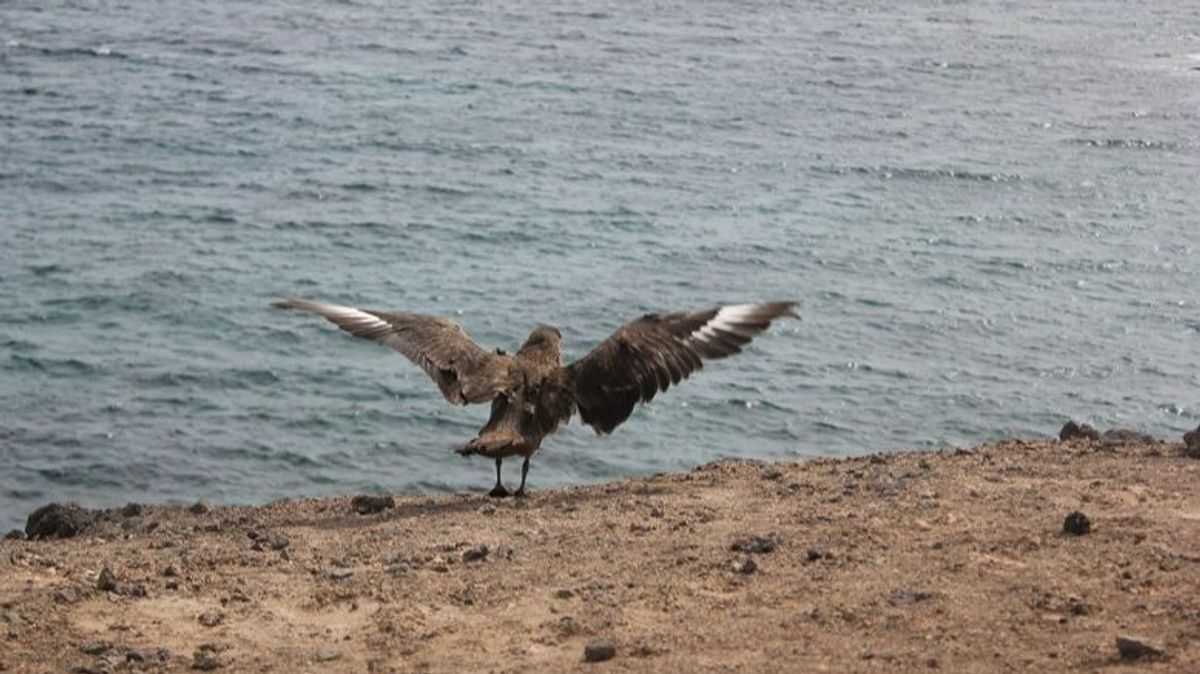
column 988, row 211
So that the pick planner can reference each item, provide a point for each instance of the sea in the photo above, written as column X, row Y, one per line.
column 987, row 212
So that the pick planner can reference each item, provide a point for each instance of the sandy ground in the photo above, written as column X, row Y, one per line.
column 954, row 561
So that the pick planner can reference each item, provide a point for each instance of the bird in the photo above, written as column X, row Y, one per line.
column 532, row 392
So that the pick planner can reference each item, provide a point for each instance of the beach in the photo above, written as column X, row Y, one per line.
column 1022, row 555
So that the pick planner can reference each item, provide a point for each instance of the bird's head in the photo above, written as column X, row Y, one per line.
column 544, row 339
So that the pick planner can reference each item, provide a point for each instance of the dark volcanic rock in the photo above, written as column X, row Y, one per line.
column 1074, row 431
column 367, row 505
column 599, row 651
column 1136, row 648
column 746, row 566
column 96, row 647
column 1124, row 436
column 272, row 541
column 199, row 508
column 909, row 597
column 132, row 510
column 15, row 535
column 209, row 657
column 1077, row 523
column 475, row 554
column 759, row 544
column 1191, row 443
column 58, row 520
column 107, row 580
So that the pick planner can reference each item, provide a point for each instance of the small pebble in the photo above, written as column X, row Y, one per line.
column 475, row 554
column 1077, row 524
column 599, row 651
column 1136, row 648
column 199, row 508
column 107, row 580
column 759, row 544
column 209, row 657
column 746, row 566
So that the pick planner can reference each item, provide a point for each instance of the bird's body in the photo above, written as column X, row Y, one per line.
column 532, row 393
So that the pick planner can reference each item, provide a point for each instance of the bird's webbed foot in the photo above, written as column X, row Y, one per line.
column 499, row 492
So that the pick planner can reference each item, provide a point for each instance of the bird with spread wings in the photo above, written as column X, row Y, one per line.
column 531, row 391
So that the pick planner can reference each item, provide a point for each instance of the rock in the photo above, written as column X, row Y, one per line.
column 1136, row 648
column 209, row 657
column 272, row 541
column 814, row 553
column 132, row 510
column 1124, row 436
column 751, row 544
column 369, row 505
column 339, row 574
column 564, row 593
column 199, row 508
column 909, row 597
column 746, row 566
column 1077, row 606
column 599, row 651
column 1191, row 443
column 95, row 648
column 211, row 618
column 475, row 554
column 1074, row 431
column 68, row 596
column 327, row 654
column 107, row 580
column 58, row 520
column 15, row 535
column 138, row 590
column 1077, row 523
column 487, row 509
column 171, row 571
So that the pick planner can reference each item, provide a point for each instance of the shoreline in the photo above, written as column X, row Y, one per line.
column 953, row 559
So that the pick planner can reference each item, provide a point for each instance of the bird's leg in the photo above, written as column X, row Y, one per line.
column 524, row 471
column 498, row 491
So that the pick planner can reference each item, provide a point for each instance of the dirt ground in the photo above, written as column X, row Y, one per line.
column 954, row 560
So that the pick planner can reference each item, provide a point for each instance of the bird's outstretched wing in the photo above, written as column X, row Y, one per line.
column 464, row 371
column 651, row 353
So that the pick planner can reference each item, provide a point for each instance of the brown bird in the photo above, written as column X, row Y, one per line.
column 531, row 392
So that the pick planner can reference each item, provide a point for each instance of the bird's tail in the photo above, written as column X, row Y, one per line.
column 491, row 443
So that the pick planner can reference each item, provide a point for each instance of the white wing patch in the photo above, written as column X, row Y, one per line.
column 728, row 319
column 352, row 317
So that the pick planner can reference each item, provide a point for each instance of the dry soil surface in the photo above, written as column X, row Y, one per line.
column 954, row 560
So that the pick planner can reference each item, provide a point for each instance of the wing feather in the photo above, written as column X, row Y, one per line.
column 654, row 352
column 464, row 371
